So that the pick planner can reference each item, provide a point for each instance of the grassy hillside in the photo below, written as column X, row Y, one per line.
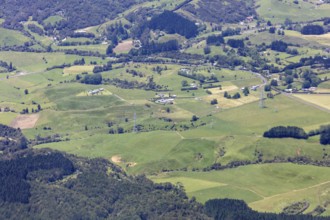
column 278, row 11
column 265, row 188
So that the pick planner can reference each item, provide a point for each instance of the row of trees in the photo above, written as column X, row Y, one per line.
column 299, row 133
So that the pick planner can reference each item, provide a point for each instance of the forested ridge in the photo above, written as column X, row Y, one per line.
column 218, row 11
column 76, row 13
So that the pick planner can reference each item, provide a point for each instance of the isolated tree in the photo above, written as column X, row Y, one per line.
column 325, row 135
column 267, row 88
column 273, row 82
column 246, row 91
column 26, row 91
column 194, row 118
column 120, row 130
column 184, row 83
column 289, row 79
column 109, row 50
column 236, row 95
column 214, row 101
column 207, row 50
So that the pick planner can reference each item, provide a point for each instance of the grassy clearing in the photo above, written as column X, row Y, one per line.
column 53, row 19
column 73, row 70
column 124, row 47
column 260, row 185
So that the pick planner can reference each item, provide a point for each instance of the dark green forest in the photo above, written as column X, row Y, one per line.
column 76, row 13
column 172, row 23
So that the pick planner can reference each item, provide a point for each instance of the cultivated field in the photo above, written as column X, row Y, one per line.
column 321, row 100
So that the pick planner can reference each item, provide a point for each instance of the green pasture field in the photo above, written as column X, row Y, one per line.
column 92, row 47
column 325, row 85
column 319, row 39
column 277, row 11
column 226, row 129
column 12, row 38
column 267, row 187
column 292, row 37
column 33, row 62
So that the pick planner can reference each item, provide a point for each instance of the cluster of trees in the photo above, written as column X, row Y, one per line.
column 310, row 61
column 229, row 61
column 75, row 43
column 219, row 39
column 126, row 84
column 93, row 79
column 152, row 47
column 8, row 67
column 230, row 32
column 222, row 209
column 82, row 34
column 199, row 77
column 115, row 33
column 312, row 29
column 103, row 68
column 325, row 134
column 310, row 79
column 46, row 139
column 237, row 95
column 215, row 40
column 286, row 132
column 279, row 45
column 61, row 66
column 172, row 23
column 11, row 139
column 236, row 43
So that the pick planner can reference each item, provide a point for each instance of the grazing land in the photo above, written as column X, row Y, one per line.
column 265, row 187
column 185, row 101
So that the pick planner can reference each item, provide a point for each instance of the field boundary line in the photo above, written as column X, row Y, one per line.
column 295, row 191
column 180, row 135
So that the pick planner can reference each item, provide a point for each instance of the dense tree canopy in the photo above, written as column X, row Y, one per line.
column 172, row 23
column 312, row 29
column 286, row 132
column 75, row 13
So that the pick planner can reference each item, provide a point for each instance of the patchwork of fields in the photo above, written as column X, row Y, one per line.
column 202, row 125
